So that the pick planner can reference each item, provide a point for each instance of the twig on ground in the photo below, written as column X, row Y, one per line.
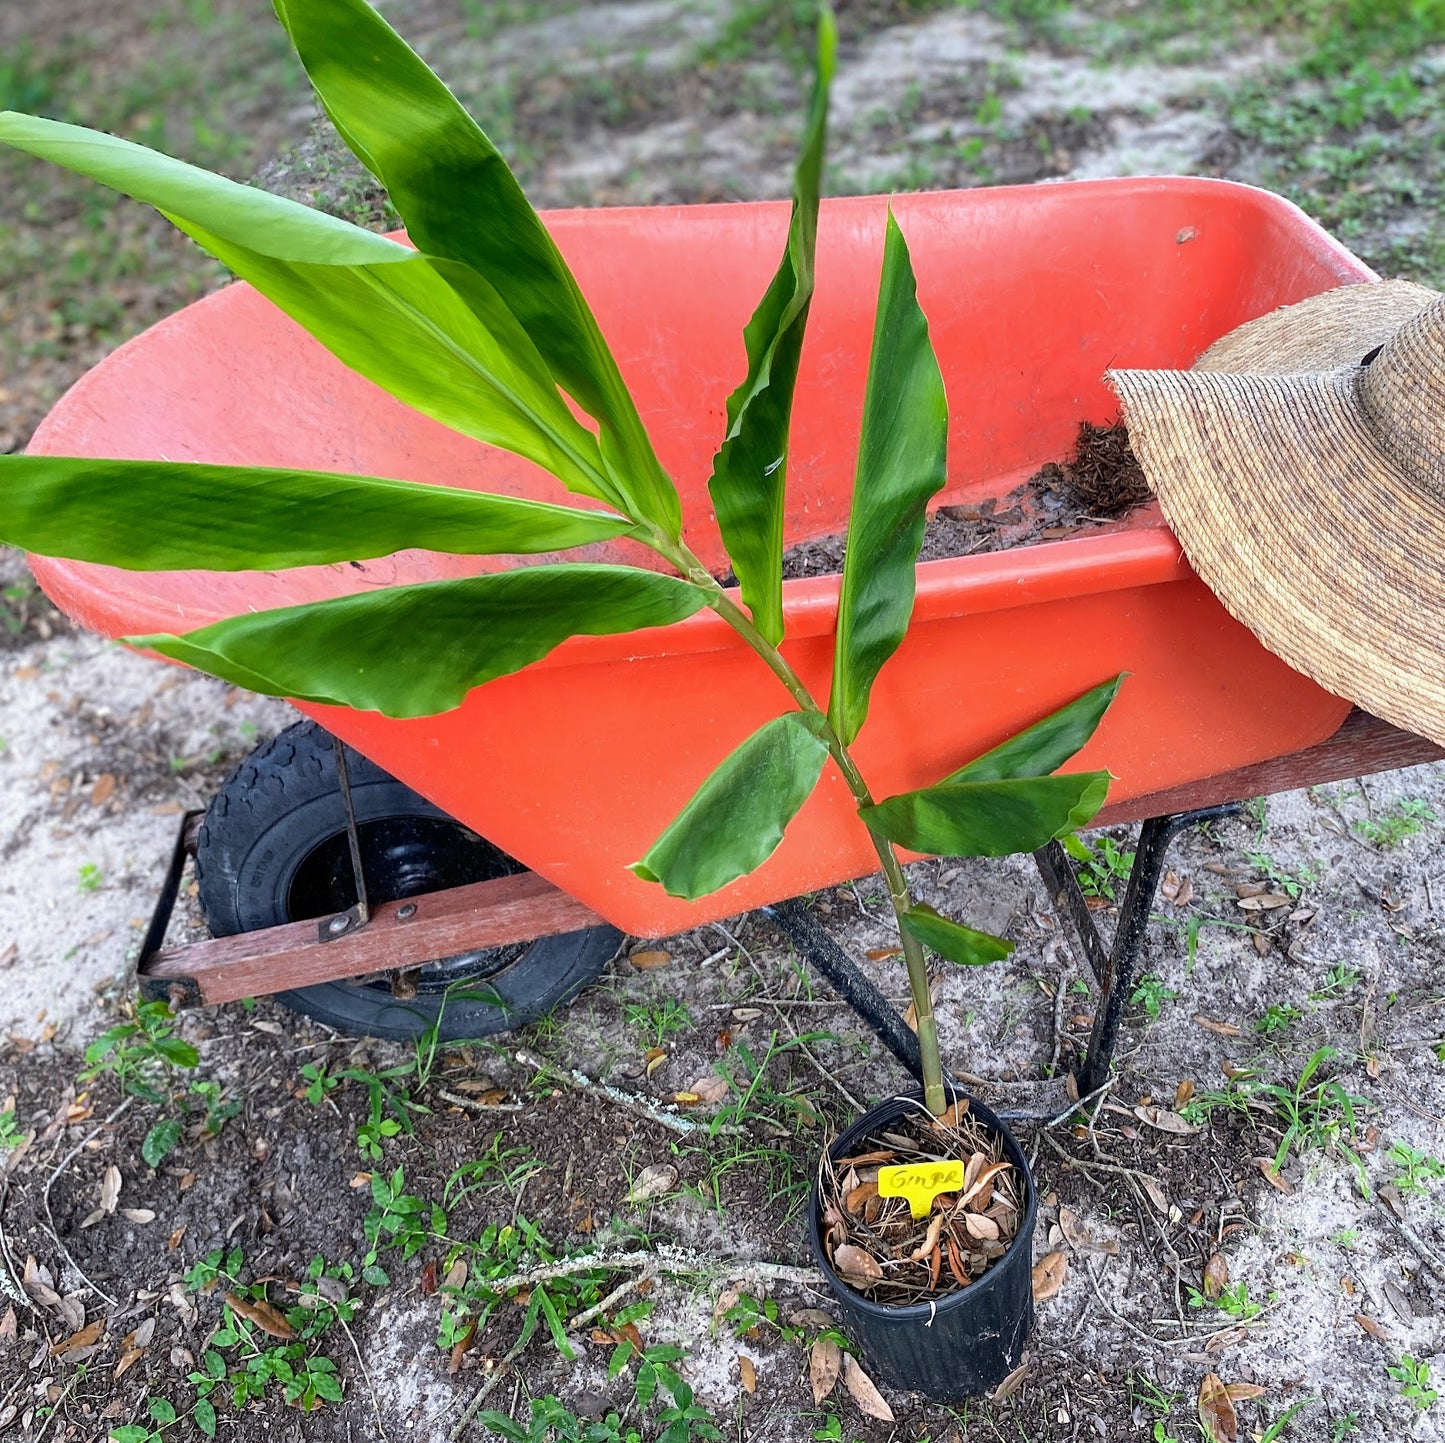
column 1074, row 1162
column 365, row 1378
column 1083, row 1102
column 800, row 1045
column 630, row 1101
column 1152, row 1338
column 673, row 1261
column 9, row 1283
column 484, row 1392
column 611, row 1300
column 1099, row 1164
column 60, row 1167
column 470, row 1104
column 1422, row 1250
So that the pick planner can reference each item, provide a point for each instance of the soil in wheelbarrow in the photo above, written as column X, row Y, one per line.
column 876, row 1244
column 1099, row 482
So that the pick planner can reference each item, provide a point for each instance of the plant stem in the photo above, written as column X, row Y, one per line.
column 680, row 555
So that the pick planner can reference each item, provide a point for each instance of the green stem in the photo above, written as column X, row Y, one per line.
column 930, row 1057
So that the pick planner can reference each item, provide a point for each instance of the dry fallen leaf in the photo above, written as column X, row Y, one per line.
column 87, row 1337
column 654, row 1180
column 1244, row 1392
column 710, row 1088
column 461, row 1347
column 1216, row 1276
column 139, row 1216
column 1049, row 1274
column 1274, row 1178
column 650, row 959
column 824, row 1364
column 1075, row 1230
column 263, row 1315
column 1223, row 1029
column 1216, row 1412
column 1156, row 1194
column 747, row 1371
column 103, row 790
column 1012, row 1383
column 982, row 1227
column 1165, row 1121
column 1183, row 1093
column 865, row 1395
column 110, row 1189
column 1371, row 1327
column 856, row 1267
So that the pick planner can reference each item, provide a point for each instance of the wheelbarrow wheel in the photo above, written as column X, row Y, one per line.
column 273, row 849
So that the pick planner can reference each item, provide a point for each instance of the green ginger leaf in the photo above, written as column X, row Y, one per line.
column 750, row 470
column 902, row 462
column 411, row 651
column 430, row 331
column 736, row 818
column 989, row 819
column 460, row 201
column 953, row 940
column 1046, row 745
column 159, row 516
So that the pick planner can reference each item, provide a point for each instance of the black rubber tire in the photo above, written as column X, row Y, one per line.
column 272, row 849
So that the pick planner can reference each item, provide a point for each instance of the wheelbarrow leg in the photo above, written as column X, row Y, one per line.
column 1113, row 968
column 822, row 953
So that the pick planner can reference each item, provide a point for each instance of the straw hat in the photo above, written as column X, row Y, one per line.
column 1301, row 464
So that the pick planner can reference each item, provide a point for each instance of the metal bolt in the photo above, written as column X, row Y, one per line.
column 406, row 912
column 338, row 924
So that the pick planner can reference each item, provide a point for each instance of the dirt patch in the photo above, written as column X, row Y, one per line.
column 1098, row 484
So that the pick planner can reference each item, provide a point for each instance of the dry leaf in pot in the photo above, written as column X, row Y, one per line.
column 875, row 1243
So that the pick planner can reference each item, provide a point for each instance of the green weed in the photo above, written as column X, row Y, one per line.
column 1151, row 994
column 1414, row 1378
column 1405, row 819
column 243, row 1361
column 1103, row 867
column 1234, row 1300
column 1291, row 883
column 1340, row 978
column 1419, row 1168
column 1312, row 1112
column 1278, row 1017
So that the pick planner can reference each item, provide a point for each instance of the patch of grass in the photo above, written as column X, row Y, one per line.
column 657, row 1021
column 1340, row 978
column 1405, row 819
column 1234, row 1300
column 1278, row 1017
column 261, row 1347
column 1313, row 1112
column 1291, row 884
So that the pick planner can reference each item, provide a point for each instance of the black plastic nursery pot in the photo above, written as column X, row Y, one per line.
column 965, row 1344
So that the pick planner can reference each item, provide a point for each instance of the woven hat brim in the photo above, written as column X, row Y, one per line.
column 1302, row 528
column 1334, row 328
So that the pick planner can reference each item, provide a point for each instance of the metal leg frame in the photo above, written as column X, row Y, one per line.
column 1112, row 968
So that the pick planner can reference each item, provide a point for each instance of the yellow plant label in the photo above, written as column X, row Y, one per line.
column 920, row 1183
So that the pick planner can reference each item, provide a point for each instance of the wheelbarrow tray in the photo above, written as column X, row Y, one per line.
column 575, row 764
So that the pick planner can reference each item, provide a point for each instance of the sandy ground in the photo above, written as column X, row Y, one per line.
column 102, row 751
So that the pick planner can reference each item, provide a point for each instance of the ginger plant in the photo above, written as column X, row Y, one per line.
column 479, row 324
